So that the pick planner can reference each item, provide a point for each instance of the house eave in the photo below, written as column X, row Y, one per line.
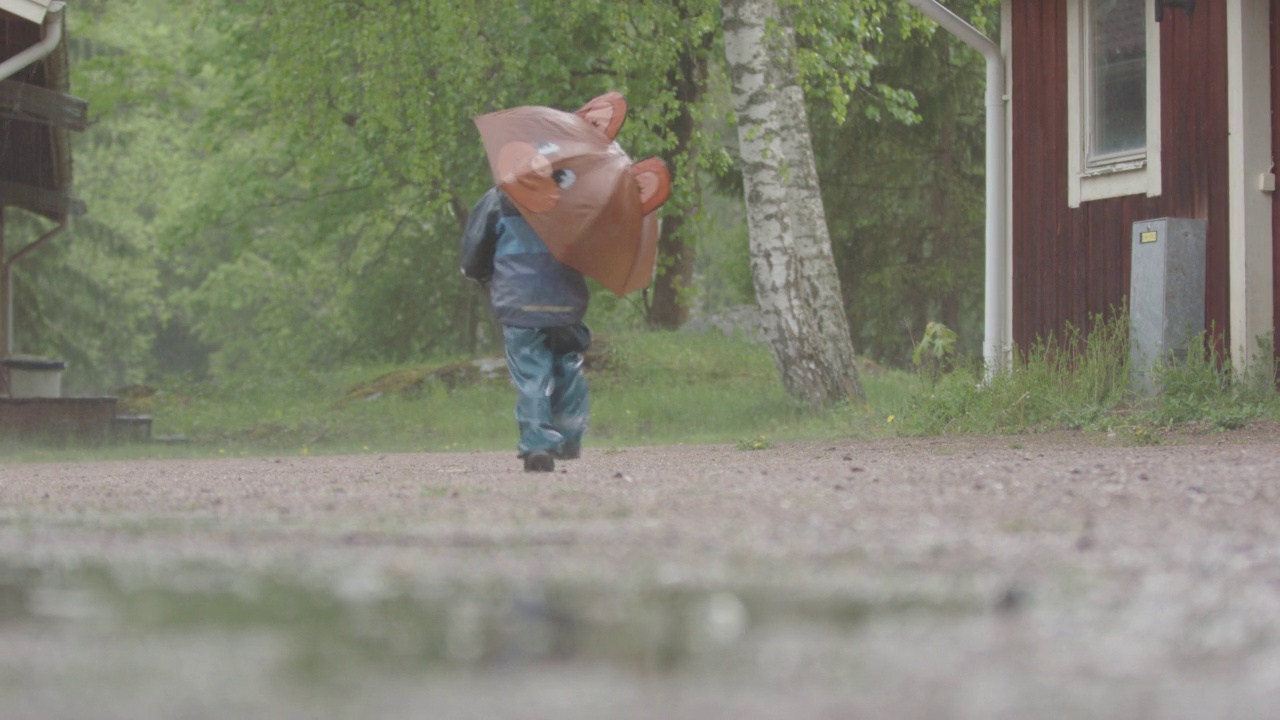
column 39, row 115
column 33, row 10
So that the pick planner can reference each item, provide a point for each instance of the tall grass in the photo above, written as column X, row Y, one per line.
column 1071, row 382
column 1204, row 388
column 1082, row 381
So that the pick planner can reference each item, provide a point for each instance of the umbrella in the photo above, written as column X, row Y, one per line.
column 581, row 193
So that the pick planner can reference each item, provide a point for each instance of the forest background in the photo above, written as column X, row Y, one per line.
column 276, row 186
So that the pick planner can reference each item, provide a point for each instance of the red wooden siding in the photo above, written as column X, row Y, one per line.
column 1070, row 264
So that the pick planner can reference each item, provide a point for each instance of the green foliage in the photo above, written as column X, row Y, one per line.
column 723, row 271
column 1141, row 436
column 94, row 295
column 1074, row 383
column 1083, row 382
column 903, row 183
column 1204, row 388
column 277, row 187
column 836, row 53
column 322, row 158
column 759, row 442
column 935, row 351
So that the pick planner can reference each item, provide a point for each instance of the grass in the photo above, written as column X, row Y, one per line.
column 1082, row 381
column 1072, row 382
column 647, row 388
column 657, row 388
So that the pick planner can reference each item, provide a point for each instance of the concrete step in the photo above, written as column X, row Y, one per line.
column 78, row 420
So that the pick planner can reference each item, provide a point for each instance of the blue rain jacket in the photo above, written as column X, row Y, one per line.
column 528, row 286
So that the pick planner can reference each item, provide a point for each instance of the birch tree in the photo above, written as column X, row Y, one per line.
column 796, row 285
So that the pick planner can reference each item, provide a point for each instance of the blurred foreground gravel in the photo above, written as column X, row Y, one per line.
column 1057, row 576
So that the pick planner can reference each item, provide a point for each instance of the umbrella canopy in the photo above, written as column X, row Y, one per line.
column 577, row 188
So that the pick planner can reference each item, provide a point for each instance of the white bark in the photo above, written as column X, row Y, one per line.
column 820, row 281
column 797, row 288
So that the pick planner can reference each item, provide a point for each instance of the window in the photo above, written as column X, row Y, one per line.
column 1116, row 96
column 1113, row 76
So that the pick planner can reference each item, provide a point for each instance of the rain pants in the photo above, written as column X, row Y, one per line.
column 540, row 303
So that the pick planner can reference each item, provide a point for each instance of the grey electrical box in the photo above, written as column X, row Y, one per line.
column 1166, row 294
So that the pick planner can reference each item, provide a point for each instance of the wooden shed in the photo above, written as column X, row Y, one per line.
column 36, row 117
column 1128, row 110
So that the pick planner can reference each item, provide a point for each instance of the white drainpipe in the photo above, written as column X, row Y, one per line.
column 36, row 52
column 993, row 348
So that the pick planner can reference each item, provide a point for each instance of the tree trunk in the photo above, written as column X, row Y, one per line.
column 794, row 274
column 820, row 279
column 670, row 307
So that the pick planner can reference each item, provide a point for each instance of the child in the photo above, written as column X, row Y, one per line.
column 540, row 303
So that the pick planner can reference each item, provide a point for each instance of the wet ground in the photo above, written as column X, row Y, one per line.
column 1060, row 576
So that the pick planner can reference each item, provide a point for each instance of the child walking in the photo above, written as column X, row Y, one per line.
column 539, row 300
column 540, row 303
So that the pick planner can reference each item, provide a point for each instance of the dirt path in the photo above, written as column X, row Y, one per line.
column 1065, row 576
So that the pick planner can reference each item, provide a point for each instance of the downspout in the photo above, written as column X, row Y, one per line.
column 36, row 52
column 993, row 350
column 8, row 68
column 7, row 349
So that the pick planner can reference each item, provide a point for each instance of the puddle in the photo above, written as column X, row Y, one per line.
column 455, row 625
column 125, row 637
column 201, row 641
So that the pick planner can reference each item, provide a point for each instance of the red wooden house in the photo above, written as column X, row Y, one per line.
column 1127, row 110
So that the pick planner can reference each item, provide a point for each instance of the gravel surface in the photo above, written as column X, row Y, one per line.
column 1066, row 575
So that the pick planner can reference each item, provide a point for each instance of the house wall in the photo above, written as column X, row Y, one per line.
column 17, row 35
column 26, row 154
column 1071, row 264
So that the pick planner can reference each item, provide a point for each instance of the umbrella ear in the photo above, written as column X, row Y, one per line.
column 606, row 113
column 655, row 183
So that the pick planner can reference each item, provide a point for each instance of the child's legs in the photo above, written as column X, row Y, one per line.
column 569, row 399
column 530, row 364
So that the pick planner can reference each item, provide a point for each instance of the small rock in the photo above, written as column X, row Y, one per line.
column 1011, row 599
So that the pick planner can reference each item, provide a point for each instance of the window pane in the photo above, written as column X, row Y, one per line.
column 1118, row 68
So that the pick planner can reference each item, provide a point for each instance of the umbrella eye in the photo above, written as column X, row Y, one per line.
column 564, row 178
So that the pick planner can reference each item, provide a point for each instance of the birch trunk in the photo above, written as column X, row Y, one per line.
column 820, row 281
column 796, row 285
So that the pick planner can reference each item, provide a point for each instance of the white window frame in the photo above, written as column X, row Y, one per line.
column 1135, row 174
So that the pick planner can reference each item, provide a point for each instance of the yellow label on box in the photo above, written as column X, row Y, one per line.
column 1148, row 237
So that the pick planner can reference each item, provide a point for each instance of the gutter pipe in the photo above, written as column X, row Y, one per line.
column 7, row 349
column 993, row 349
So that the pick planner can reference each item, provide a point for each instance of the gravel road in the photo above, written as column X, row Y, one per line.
column 1067, row 575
